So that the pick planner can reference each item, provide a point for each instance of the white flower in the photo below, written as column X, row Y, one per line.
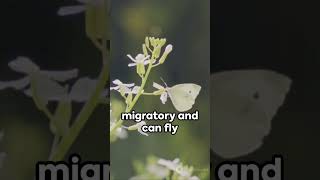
column 121, row 87
column 172, row 165
column 80, row 92
column 121, row 133
column 140, row 59
column 168, row 49
column 135, row 90
column 176, row 166
column 70, row 10
column 46, row 82
column 138, row 127
column 2, row 154
column 164, row 93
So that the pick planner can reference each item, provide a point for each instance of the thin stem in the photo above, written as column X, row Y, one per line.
column 90, row 105
column 86, row 111
column 54, row 146
column 46, row 111
column 148, row 94
column 96, row 43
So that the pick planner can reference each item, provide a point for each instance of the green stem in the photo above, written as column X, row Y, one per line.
column 85, row 113
column 134, row 101
column 148, row 94
column 54, row 145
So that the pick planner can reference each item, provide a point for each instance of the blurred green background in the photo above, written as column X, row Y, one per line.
column 185, row 24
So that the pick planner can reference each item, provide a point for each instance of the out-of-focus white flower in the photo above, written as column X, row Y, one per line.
column 158, row 170
column 140, row 59
column 135, row 90
column 175, row 165
column 121, row 132
column 121, row 87
column 45, row 82
column 80, row 92
column 2, row 154
column 172, row 165
column 76, row 9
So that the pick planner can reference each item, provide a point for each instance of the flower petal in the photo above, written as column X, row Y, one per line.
column 132, row 59
column 116, row 82
column 135, row 90
column 23, row 65
column 164, row 97
column 146, row 62
column 47, row 89
column 145, row 57
column 70, row 10
column 82, row 90
column 61, row 76
column 122, row 133
column 17, row 84
column 115, row 88
column 172, row 165
column 132, row 64
column 157, row 86
column 128, row 85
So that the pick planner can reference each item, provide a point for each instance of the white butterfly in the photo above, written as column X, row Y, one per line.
column 243, row 103
column 183, row 96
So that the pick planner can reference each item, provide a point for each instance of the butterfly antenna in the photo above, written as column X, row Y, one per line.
column 163, row 82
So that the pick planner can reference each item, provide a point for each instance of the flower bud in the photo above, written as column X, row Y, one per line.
column 168, row 49
column 165, row 53
column 146, row 41
column 157, row 52
column 141, row 70
column 144, row 49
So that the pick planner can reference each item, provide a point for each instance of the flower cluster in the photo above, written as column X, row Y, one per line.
column 150, row 57
column 153, row 54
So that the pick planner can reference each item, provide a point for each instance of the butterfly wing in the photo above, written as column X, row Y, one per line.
column 183, row 96
column 243, row 105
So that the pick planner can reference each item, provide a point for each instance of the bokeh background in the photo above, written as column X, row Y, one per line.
column 185, row 24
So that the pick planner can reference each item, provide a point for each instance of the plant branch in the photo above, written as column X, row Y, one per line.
column 86, row 111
